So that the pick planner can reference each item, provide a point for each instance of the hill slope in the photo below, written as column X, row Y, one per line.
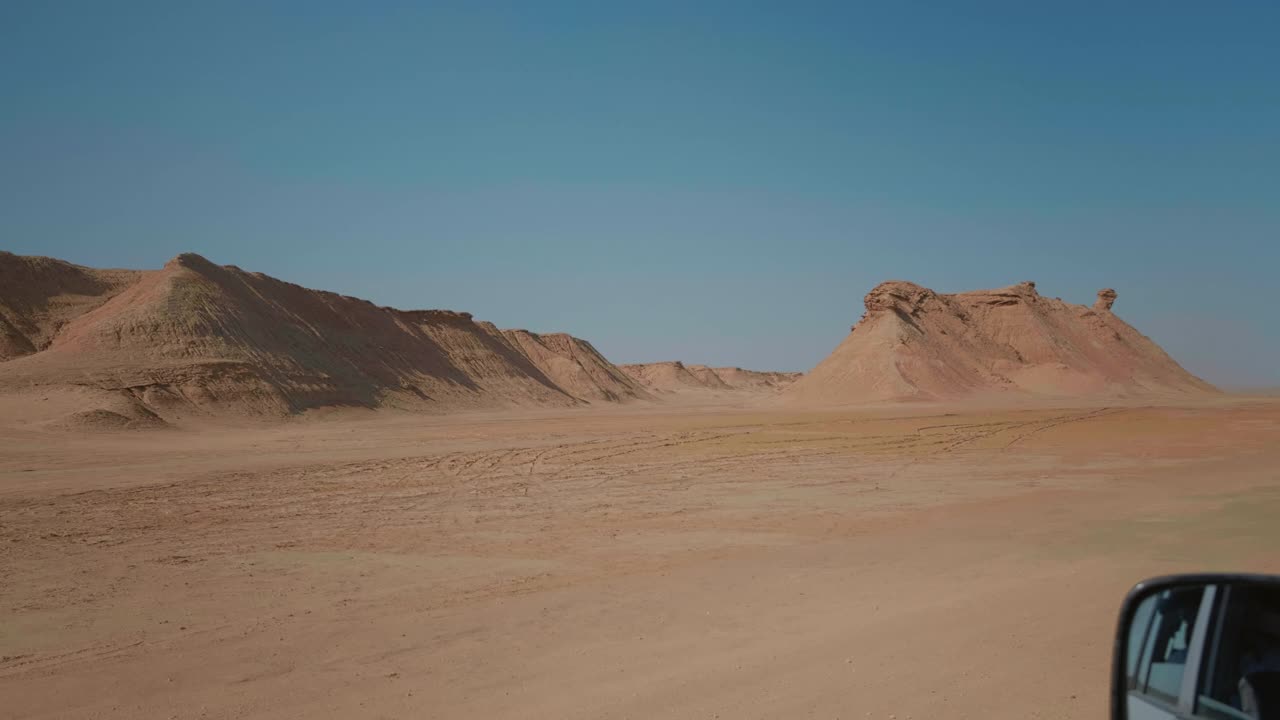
column 676, row 377
column 39, row 295
column 913, row 343
column 707, row 377
column 663, row 377
column 575, row 366
column 199, row 337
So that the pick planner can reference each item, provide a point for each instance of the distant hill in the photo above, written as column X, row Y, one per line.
column 915, row 344
column 676, row 377
column 131, row 348
column 199, row 338
column 764, row 380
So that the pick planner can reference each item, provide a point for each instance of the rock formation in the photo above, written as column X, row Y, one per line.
column 195, row 338
column 1106, row 298
column 913, row 343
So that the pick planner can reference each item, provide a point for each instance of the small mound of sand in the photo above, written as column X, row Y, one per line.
column 100, row 419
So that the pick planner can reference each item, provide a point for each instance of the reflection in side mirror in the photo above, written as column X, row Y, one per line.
column 1205, row 646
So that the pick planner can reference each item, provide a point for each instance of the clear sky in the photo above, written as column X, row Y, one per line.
column 717, row 182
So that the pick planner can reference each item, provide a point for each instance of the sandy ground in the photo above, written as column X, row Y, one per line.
column 635, row 563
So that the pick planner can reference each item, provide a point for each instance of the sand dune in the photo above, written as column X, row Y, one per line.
column 915, row 344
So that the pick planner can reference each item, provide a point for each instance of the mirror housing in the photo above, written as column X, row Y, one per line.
column 1189, row 630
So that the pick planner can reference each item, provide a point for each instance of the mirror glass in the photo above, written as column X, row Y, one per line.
column 1206, row 650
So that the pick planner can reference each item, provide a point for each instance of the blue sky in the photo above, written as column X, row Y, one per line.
column 718, row 182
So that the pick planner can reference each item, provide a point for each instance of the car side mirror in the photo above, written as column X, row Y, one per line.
column 1205, row 646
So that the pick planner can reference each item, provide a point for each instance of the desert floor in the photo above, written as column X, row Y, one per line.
column 636, row 563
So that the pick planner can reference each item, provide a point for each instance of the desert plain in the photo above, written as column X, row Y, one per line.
column 721, row 558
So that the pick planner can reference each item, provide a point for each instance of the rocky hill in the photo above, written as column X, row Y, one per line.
column 199, row 338
column 915, row 344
